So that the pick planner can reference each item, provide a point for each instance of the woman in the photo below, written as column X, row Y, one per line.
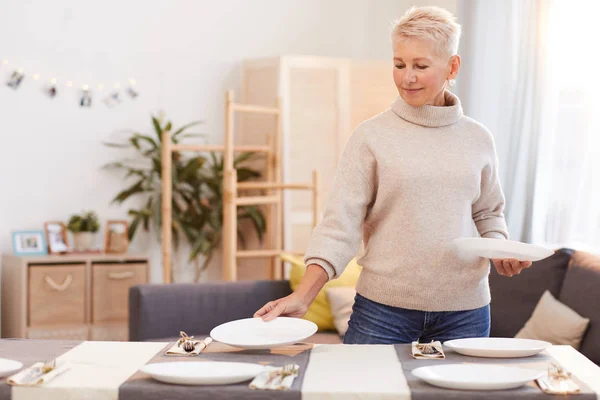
column 410, row 180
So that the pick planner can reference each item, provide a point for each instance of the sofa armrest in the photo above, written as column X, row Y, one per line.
column 162, row 310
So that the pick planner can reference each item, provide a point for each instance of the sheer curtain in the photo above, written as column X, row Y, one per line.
column 503, row 84
column 567, row 200
column 528, row 75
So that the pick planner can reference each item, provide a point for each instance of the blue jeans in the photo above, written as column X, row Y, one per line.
column 376, row 323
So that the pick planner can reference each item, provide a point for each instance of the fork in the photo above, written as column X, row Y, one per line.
column 35, row 373
column 286, row 370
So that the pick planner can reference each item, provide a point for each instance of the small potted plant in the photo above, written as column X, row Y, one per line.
column 84, row 227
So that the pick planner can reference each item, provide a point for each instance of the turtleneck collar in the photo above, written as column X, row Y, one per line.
column 430, row 116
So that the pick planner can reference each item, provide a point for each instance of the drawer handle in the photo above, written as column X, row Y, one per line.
column 120, row 275
column 63, row 286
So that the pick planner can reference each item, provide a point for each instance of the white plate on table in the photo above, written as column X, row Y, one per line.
column 497, row 347
column 202, row 372
column 501, row 249
column 476, row 376
column 7, row 367
column 254, row 333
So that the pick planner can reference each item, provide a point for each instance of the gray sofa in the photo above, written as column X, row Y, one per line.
column 160, row 311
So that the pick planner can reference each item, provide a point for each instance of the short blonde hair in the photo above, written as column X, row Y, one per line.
column 432, row 23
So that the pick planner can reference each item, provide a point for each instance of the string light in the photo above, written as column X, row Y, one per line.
column 85, row 101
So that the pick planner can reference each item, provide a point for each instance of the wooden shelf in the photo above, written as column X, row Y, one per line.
column 71, row 296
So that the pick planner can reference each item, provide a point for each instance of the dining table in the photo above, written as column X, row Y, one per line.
column 110, row 370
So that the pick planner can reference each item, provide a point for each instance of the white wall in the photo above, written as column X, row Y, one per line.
column 184, row 56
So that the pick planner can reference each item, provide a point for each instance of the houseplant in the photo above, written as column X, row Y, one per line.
column 83, row 226
column 197, row 192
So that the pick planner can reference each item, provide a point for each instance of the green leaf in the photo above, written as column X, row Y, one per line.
column 157, row 129
column 134, row 189
column 241, row 238
column 243, row 157
column 189, row 135
column 114, row 165
column 191, row 168
column 183, row 128
column 117, row 145
column 256, row 217
column 133, row 227
column 147, row 139
column 244, row 174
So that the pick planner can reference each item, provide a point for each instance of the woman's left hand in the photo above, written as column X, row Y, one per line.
column 510, row 267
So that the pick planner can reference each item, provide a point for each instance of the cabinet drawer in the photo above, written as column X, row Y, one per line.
column 110, row 332
column 56, row 295
column 110, row 290
column 57, row 332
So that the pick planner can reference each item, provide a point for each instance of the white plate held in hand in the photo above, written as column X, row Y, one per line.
column 476, row 376
column 497, row 347
column 254, row 333
column 500, row 249
column 202, row 372
column 7, row 367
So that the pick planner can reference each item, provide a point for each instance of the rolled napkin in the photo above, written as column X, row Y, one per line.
column 431, row 350
column 181, row 349
column 276, row 378
column 37, row 374
column 557, row 381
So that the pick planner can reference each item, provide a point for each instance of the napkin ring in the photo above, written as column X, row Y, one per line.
column 427, row 348
column 187, row 342
column 558, row 373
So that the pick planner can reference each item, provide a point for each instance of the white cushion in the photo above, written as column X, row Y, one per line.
column 554, row 322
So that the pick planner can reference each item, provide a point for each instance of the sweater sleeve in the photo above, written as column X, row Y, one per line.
column 336, row 239
column 488, row 209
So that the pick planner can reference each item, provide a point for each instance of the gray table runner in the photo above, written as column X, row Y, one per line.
column 420, row 390
column 29, row 351
column 142, row 387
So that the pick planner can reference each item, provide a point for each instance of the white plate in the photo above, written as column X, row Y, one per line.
column 7, row 367
column 202, row 372
column 501, row 249
column 254, row 333
column 497, row 347
column 476, row 376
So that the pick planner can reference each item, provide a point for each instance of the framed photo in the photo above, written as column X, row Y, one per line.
column 29, row 243
column 56, row 234
column 117, row 237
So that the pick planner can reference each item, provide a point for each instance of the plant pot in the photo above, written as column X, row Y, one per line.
column 84, row 241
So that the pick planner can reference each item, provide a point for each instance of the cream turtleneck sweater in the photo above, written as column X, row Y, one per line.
column 409, row 181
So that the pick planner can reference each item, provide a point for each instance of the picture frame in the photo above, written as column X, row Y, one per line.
column 116, row 239
column 56, row 237
column 29, row 243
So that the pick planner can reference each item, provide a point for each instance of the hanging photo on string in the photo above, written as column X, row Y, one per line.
column 15, row 79
column 113, row 99
column 86, row 99
column 51, row 88
column 131, row 92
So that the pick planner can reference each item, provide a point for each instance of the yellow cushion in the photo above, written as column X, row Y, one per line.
column 319, row 311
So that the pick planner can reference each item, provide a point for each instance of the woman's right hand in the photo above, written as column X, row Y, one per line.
column 296, row 304
column 289, row 306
